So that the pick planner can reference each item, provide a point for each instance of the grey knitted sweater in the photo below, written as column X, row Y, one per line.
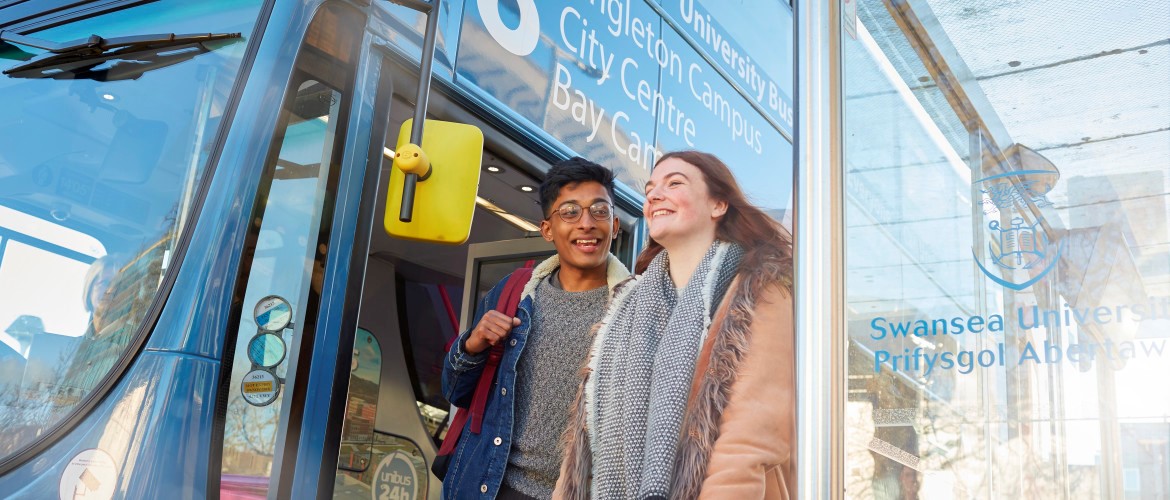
column 546, row 381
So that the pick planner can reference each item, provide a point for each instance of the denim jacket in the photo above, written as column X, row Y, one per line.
column 479, row 460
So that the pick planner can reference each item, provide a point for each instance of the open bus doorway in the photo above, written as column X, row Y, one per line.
column 416, row 298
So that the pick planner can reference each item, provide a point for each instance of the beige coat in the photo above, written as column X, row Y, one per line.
column 739, row 427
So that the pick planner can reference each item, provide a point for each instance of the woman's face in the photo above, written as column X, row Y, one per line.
column 678, row 205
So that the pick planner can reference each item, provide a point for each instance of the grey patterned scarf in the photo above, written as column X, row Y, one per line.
column 643, row 366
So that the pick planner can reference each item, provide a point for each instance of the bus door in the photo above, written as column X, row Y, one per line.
column 284, row 296
column 331, row 377
column 332, row 384
column 416, row 297
column 395, row 415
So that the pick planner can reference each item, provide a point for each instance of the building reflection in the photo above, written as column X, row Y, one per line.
column 1040, row 266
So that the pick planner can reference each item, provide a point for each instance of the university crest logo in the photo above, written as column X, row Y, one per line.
column 1017, row 251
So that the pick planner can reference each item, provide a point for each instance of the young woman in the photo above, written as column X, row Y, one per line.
column 689, row 389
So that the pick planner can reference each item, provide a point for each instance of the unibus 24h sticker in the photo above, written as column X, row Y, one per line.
column 395, row 478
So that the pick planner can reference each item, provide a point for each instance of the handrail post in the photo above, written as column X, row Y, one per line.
column 406, row 212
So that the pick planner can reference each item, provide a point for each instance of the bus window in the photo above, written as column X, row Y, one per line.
column 355, row 463
column 357, row 434
column 280, row 267
column 99, row 166
column 393, row 454
column 430, row 324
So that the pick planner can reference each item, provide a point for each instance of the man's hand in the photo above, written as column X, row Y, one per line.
column 492, row 329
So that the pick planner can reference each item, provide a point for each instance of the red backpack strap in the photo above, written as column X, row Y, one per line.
column 453, row 432
column 508, row 303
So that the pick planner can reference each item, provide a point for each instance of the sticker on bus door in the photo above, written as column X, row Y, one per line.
column 395, row 478
column 91, row 474
column 260, row 387
column 273, row 313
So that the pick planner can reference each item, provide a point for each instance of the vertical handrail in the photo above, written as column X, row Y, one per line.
column 820, row 261
column 406, row 211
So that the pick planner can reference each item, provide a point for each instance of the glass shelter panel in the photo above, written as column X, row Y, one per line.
column 1007, row 179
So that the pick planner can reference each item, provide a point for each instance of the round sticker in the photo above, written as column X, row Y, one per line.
column 91, row 474
column 395, row 478
column 272, row 313
column 260, row 387
column 266, row 349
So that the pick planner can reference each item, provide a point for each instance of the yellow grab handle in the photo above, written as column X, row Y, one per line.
column 410, row 159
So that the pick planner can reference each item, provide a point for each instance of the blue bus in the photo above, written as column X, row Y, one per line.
column 197, row 298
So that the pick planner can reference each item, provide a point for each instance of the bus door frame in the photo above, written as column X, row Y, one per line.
column 479, row 254
column 315, row 466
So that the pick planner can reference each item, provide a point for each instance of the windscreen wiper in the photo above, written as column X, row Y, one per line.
column 131, row 56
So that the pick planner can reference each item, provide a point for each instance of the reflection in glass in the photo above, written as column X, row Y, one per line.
column 357, row 433
column 97, row 180
column 1008, row 257
column 282, row 266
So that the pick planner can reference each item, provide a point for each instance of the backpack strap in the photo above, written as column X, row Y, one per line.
column 508, row 303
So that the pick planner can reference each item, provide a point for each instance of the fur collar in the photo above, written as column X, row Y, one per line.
column 615, row 273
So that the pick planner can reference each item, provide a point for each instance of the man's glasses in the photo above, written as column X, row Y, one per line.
column 571, row 212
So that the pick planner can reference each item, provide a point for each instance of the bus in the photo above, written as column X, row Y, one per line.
column 197, row 295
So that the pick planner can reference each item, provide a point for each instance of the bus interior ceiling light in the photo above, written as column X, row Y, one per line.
column 512, row 218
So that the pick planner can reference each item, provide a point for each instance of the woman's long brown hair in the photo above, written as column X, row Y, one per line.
column 764, row 240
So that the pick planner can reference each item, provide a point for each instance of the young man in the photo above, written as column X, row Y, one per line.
column 516, row 456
